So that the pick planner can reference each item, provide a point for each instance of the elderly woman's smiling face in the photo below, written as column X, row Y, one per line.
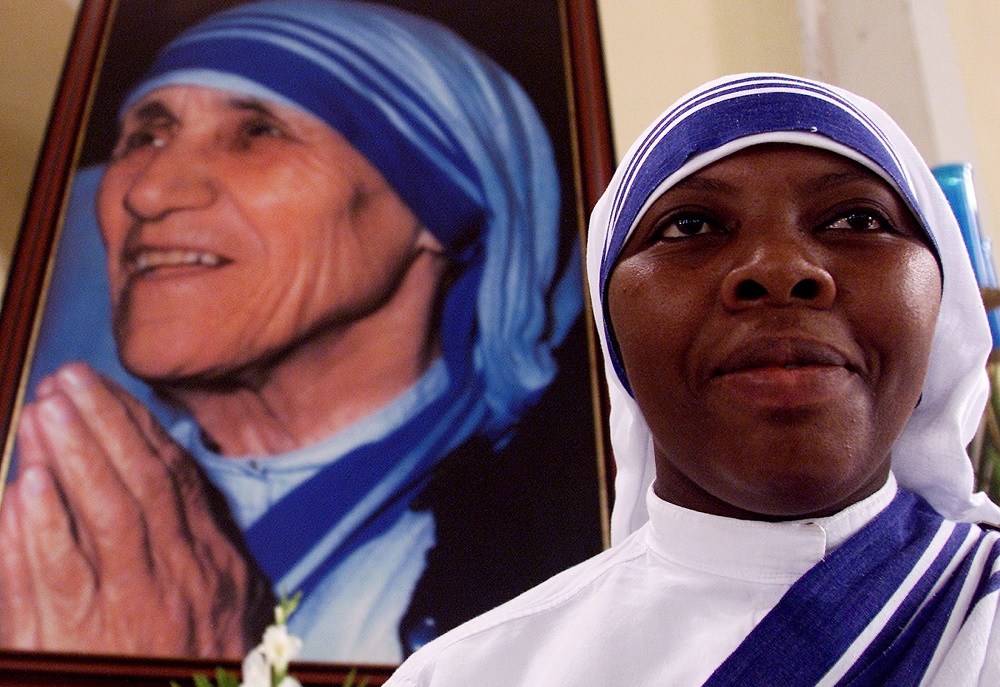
column 774, row 312
column 236, row 227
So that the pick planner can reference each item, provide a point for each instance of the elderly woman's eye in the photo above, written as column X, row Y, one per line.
column 859, row 221
column 256, row 129
column 136, row 140
column 682, row 226
column 262, row 128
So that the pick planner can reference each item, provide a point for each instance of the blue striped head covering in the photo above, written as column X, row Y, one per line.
column 732, row 113
column 463, row 146
column 450, row 130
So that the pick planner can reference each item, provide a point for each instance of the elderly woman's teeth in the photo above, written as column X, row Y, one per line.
column 149, row 260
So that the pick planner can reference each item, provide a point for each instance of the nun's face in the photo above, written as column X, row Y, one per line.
column 774, row 313
column 236, row 228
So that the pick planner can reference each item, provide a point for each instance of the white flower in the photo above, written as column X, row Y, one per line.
column 280, row 647
column 289, row 681
column 256, row 669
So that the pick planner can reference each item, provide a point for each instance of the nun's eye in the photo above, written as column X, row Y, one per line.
column 684, row 226
column 864, row 221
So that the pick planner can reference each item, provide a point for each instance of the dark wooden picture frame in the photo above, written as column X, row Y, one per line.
column 536, row 41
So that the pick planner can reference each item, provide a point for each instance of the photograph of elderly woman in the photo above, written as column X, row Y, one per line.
column 314, row 325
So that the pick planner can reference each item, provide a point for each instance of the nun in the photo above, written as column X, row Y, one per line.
column 795, row 348
column 333, row 251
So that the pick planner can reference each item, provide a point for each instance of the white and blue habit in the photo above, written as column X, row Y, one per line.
column 901, row 588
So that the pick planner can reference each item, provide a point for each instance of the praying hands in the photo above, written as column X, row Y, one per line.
column 110, row 541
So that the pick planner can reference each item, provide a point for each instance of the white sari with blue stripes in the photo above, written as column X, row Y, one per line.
column 909, row 597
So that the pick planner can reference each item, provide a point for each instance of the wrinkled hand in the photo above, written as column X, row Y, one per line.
column 109, row 542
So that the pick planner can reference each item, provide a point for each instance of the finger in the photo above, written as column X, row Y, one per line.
column 136, row 445
column 161, row 476
column 18, row 622
column 213, row 567
column 193, row 557
column 176, row 460
column 183, row 529
column 31, row 449
column 184, row 545
column 103, row 512
column 189, row 480
column 17, row 608
column 63, row 580
column 110, row 421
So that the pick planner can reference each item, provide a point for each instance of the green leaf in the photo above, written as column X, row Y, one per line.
column 226, row 679
column 286, row 606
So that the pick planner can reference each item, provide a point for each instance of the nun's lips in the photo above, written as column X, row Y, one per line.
column 785, row 372
column 782, row 352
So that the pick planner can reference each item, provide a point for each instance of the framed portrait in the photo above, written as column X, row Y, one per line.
column 298, row 310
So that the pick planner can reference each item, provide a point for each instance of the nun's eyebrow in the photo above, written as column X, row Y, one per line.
column 839, row 178
column 697, row 182
column 157, row 111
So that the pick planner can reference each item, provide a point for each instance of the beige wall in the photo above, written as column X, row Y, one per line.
column 33, row 39
column 975, row 28
column 656, row 50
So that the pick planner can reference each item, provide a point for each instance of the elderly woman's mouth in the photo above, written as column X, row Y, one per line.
column 147, row 260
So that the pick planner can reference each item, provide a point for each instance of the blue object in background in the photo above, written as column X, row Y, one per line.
column 956, row 181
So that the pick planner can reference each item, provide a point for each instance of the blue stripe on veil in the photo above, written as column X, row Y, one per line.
column 861, row 604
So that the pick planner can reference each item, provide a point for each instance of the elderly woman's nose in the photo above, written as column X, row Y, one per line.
column 174, row 179
column 780, row 271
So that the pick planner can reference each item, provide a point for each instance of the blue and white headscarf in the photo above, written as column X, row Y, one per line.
column 452, row 132
column 733, row 113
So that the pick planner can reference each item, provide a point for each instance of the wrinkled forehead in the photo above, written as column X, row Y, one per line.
column 717, row 122
column 169, row 99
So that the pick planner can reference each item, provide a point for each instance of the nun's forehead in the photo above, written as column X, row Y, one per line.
column 806, row 141
column 719, row 120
